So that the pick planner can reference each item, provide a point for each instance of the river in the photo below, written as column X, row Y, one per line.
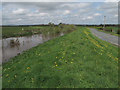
column 25, row 43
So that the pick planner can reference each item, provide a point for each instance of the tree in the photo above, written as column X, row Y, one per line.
column 61, row 25
column 51, row 24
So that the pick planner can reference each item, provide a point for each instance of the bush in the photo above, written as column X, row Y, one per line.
column 118, row 31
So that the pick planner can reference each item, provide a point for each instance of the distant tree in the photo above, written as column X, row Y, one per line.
column 61, row 25
column 51, row 24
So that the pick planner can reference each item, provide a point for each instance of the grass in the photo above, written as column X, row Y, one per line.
column 0, row 77
column 17, row 31
column 75, row 60
column 114, row 28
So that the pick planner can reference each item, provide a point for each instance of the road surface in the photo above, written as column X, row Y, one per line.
column 106, row 37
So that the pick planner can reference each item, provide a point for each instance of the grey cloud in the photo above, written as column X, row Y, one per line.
column 45, row 12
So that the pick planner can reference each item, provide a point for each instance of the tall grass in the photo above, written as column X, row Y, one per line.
column 30, row 30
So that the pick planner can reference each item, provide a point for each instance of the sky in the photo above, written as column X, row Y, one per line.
column 69, row 12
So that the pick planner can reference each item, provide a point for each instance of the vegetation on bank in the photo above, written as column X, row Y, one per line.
column 75, row 60
column 113, row 30
column 17, row 31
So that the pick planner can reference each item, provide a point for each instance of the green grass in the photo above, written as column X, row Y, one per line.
column 14, row 31
column 75, row 60
column 0, row 77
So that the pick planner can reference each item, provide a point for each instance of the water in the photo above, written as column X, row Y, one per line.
column 25, row 43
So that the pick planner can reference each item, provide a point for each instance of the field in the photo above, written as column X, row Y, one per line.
column 17, row 31
column 113, row 30
column 75, row 60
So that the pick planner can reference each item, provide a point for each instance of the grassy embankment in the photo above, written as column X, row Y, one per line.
column 17, row 31
column 75, row 60
column 108, row 28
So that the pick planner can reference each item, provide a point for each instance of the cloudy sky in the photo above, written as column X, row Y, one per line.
column 28, row 13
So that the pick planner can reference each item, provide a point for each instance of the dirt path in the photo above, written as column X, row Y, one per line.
column 106, row 37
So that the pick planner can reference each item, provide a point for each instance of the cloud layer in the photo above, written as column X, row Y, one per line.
column 60, row 0
column 27, row 13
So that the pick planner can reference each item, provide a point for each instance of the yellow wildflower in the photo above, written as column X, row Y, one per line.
column 116, row 58
column 7, row 75
column 56, row 65
column 71, row 62
column 65, row 61
column 28, row 68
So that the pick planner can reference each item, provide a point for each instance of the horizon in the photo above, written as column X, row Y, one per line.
column 65, row 24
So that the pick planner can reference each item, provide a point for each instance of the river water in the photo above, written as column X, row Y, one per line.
column 25, row 43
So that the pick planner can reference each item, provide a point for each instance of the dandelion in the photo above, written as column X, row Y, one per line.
column 60, row 59
column 56, row 65
column 65, row 61
column 27, row 71
column 116, row 58
column 56, row 57
column 15, row 76
column 28, row 68
column 71, row 62
column 7, row 75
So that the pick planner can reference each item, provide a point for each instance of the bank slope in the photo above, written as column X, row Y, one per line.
column 75, row 60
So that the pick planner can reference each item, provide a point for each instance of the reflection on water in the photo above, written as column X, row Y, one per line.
column 27, row 42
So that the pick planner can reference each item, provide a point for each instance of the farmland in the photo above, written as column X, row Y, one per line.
column 75, row 60
column 17, row 31
column 14, row 31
